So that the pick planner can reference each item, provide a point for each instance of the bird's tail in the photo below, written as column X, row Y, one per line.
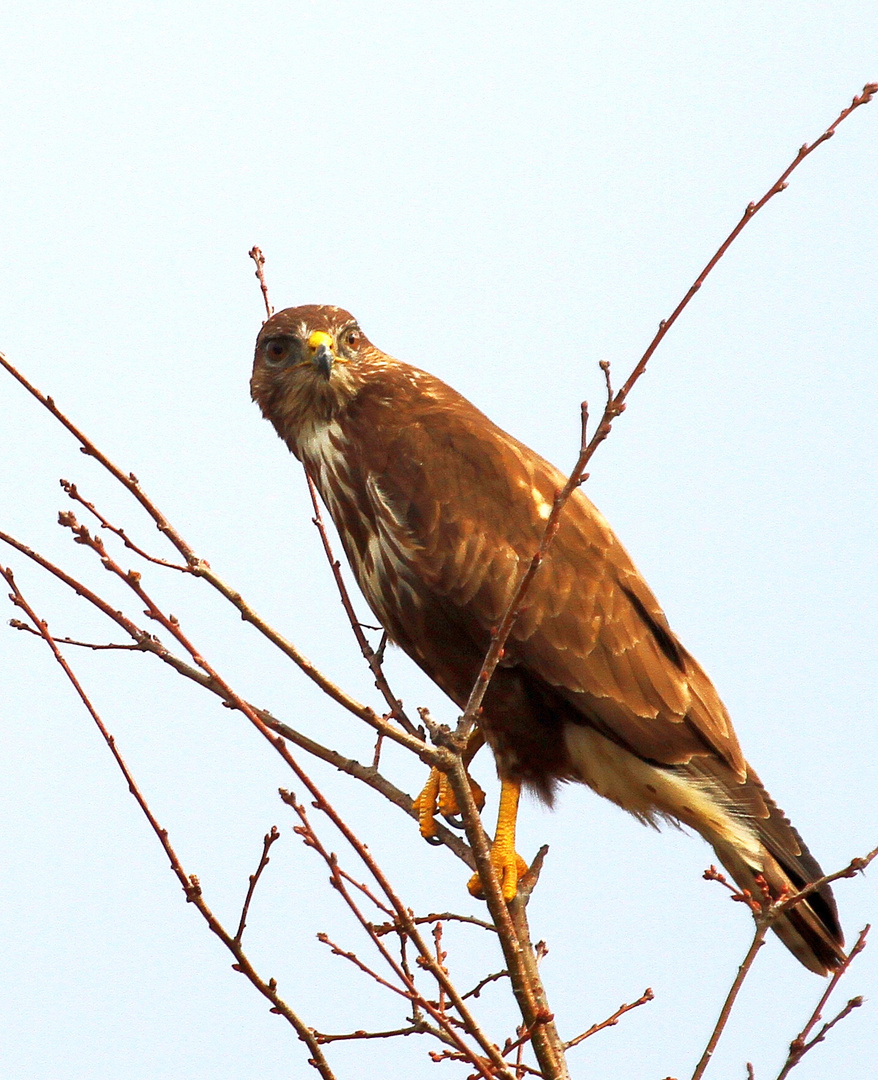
column 810, row 929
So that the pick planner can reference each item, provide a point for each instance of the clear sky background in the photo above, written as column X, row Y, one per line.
column 503, row 194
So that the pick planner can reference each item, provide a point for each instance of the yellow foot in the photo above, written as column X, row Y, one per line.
column 508, row 864
column 510, row 869
column 438, row 797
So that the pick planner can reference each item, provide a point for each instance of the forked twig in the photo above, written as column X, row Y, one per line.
column 426, row 958
column 802, row 1044
column 615, row 406
column 189, row 882
column 764, row 919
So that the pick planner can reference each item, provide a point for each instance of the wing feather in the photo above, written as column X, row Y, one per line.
column 467, row 504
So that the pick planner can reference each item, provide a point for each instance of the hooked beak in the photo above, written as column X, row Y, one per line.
column 322, row 356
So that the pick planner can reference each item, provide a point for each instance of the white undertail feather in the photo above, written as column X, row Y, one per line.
column 651, row 792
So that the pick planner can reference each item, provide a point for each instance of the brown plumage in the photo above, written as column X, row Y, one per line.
column 440, row 512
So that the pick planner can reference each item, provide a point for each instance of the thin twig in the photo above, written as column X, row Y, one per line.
column 268, row 840
column 73, row 492
column 366, row 891
column 17, row 624
column 856, row 866
column 611, row 1021
column 756, row 944
column 801, row 1044
column 425, row 956
column 421, row 1027
column 446, row 916
column 482, row 983
column 346, row 954
column 189, row 882
column 371, row 656
column 614, row 407
column 256, row 255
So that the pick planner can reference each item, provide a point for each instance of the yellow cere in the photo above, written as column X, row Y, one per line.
column 318, row 338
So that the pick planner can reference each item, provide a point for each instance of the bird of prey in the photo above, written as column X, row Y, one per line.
column 440, row 513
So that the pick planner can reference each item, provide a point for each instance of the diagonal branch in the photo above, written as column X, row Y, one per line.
column 615, row 406
column 371, row 656
column 269, row 839
column 189, row 882
column 801, row 1044
column 147, row 642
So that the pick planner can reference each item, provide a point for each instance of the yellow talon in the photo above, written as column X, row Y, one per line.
column 426, row 803
column 508, row 864
column 438, row 797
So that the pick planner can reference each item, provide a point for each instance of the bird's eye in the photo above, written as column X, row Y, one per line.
column 276, row 350
column 352, row 338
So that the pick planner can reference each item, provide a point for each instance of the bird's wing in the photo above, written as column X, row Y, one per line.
column 467, row 505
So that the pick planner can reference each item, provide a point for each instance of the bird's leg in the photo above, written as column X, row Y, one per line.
column 437, row 796
column 508, row 864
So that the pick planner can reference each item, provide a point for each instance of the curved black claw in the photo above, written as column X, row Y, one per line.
column 454, row 820
column 434, row 840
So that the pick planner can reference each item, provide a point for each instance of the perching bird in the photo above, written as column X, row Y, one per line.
column 440, row 513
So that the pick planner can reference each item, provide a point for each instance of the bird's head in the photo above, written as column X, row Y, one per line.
column 309, row 361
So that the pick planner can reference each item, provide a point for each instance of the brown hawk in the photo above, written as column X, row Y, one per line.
column 440, row 513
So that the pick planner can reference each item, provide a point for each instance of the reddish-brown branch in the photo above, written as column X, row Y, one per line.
column 256, row 255
column 615, row 406
column 801, row 1044
column 188, row 882
column 269, row 838
column 425, row 957
column 611, row 1021
column 371, row 656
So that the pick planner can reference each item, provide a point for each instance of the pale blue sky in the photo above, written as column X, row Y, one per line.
column 503, row 194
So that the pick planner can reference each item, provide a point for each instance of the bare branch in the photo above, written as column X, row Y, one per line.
column 371, row 656
column 611, row 1021
column 801, row 1044
column 256, row 255
column 268, row 840
column 188, row 882
column 615, row 406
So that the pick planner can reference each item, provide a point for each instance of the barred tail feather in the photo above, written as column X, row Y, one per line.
column 810, row 929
